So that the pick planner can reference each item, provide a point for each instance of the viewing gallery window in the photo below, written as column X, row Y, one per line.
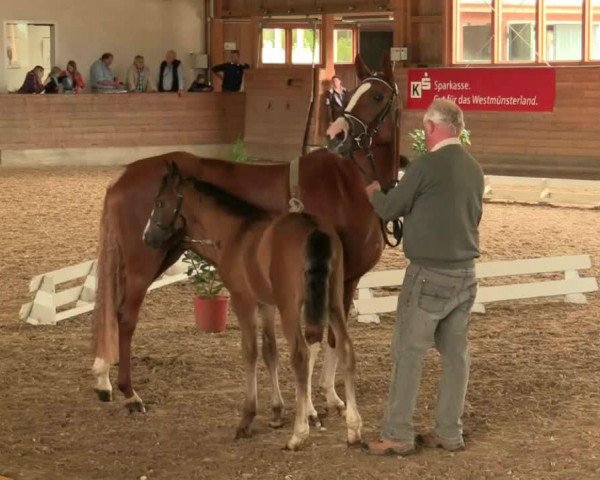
column 526, row 31
column 301, row 45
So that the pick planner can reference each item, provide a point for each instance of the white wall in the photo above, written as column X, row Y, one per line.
column 85, row 29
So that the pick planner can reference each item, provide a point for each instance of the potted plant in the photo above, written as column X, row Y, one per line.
column 238, row 152
column 210, row 308
column 418, row 136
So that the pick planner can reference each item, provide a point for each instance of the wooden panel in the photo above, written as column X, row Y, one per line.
column 247, row 8
column 242, row 35
column 555, row 144
column 522, row 291
column 430, row 43
column 71, row 121
column 277, row 102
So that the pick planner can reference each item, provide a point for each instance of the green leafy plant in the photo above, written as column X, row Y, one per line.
column 204, row 275
column 418, row 136
column 238, row 152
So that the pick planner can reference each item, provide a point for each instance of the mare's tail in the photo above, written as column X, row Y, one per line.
column 109, row 292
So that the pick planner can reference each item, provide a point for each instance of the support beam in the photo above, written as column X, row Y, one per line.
column 216, row 48
column 328, row 24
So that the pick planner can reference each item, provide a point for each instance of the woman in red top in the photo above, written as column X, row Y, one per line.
column 71, row 79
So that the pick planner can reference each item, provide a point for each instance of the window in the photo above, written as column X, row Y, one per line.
column 343, row 46
column 518, row 28
column 564, row 30
column 505, row 31
column 273, row 45
column 595, row 40
column 26, row 45
column 520, row 42
column 303, row 41
column 475, row 31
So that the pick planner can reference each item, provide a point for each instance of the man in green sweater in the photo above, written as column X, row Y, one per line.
column 440, row 197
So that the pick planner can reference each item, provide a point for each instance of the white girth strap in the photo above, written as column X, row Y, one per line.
column 296, row 205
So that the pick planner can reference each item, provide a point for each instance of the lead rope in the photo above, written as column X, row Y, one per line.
column 296, row 205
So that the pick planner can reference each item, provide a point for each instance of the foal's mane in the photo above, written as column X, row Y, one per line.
column 228, row 202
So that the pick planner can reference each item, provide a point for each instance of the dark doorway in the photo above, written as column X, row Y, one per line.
column 372, row 46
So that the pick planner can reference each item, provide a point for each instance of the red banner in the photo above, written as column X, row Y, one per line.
column 492, row 89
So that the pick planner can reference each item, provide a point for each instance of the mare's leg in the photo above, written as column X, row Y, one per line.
column 103, row 387
column 245, row 310
column 271, row 358
column 127, row 319
column 334, row 402
column 299, row 356
column 345, row 352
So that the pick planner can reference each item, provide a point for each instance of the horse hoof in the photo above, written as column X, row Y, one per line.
column 276, row 423
column 354, row 440
column 316, row 421
column 243, row 432
column 135, row 407
column 292, row 447
column 104, row 395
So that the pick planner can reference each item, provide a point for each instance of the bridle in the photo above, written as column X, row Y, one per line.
column 363, row 140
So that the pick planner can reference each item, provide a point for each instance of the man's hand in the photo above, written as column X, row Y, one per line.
column 371, row 188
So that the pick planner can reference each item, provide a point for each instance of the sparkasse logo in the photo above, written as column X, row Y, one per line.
column 417, row 88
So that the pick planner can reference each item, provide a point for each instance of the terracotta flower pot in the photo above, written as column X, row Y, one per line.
column 211, row 314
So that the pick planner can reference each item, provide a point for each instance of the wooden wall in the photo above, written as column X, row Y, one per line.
column 561, row 144
column 128, row 120
column 277, row 109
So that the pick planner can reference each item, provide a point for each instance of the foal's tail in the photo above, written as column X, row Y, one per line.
column 109, row 291
column 318, row 255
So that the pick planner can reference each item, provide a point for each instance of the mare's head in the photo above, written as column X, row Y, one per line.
column 166, row 221
column 368, row 105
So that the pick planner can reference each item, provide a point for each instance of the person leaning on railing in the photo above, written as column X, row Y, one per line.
column 101, row 76
column 33, row 81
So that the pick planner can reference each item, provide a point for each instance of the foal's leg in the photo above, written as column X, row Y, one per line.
column 313, row 416
column 245, row 309
column 327, row 382
column 345, row 352
column 271, row 358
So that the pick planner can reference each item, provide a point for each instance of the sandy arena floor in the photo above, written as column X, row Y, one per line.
column 534, row 391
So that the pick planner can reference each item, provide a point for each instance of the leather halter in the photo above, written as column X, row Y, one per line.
column 179, row 232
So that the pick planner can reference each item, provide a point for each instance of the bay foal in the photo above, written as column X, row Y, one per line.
column 291, row 261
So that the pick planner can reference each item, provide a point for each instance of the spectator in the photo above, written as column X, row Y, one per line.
column 53, row 81
column 200, row 85
column 33, row 81
column 231, row 73
column 101, row 76
column 139, row 79
column 170, row 78
column 71, row 79
column 337, row 98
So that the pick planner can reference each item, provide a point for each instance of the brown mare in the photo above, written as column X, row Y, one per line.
column 331, row 188
column 292, row 261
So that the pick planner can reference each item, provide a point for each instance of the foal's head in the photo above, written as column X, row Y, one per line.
column 368, row 105
column 166, row 221
column 212, row 206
